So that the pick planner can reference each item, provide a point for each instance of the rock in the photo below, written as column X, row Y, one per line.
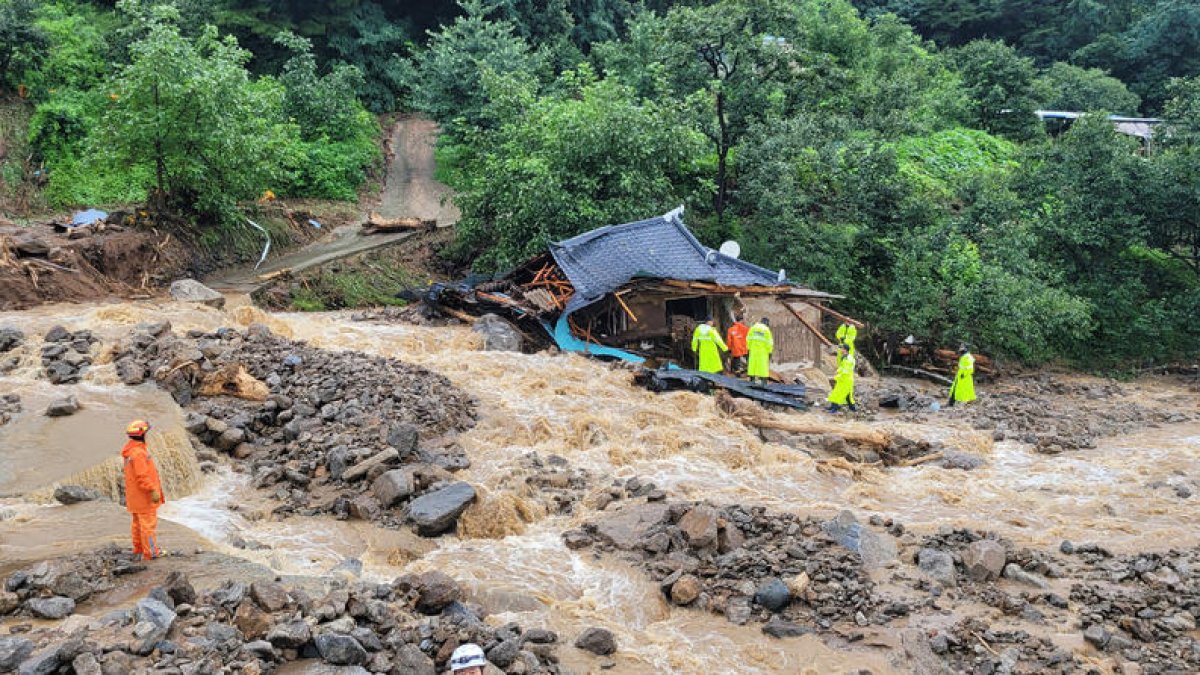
column 9, row 602
column 85, row 664
column 984, row 559
column 340, row 650
column 403, row 438
column 630, row 527
column 45, row 662
column 10, row 339
column 937, row 565
column 130, row 371
column 393, row 486
column 1097, row 635
column 57, row 334
column 737, row 610
column 252, row 621
column 599, row 641
column 435, row 590
column 438, row 511
column 337, row 461
column 13, row 650
column 410, row 660
column 364, row 507
column 774, row 595
column 504, row 653
column 190, row 290
column 939, row 643
column 73, row 494
column 699, row 525
column 498, row 335
column 154, row 623
column 289, row 635
column 269, row 595
column 360, row 470
column 1013, row 571
column 63, row 407
column 876, row 550
column 540, row 636
column 685, row 590
column 729, row 538
column 31, row 247
column 56, row 607
column 776, row 627
column 229, row 439
column 261, row 649
column 798, row 584
column 577, row 539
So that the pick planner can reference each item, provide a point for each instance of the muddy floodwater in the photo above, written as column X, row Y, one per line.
column 509, row 551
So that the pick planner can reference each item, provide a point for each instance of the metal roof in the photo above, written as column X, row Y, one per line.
column 602, row 260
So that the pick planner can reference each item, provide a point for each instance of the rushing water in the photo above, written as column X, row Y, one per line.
column 512, row 557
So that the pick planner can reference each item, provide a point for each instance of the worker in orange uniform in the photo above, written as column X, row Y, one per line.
column 143, row 491
column 736, row 337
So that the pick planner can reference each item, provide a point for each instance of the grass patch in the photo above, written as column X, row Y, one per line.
column 448, row 159
column 366, row 286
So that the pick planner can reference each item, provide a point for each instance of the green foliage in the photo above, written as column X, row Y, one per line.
column 22, row 42
column 1066, row 87
column 374, row 44
column 570, row 164
column 936, row 164
column 999, row 84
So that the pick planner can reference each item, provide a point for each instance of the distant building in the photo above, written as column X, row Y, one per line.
column 1141, row 128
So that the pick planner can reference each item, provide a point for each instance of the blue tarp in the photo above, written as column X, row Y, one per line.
column 569, row 343
column 87, row 217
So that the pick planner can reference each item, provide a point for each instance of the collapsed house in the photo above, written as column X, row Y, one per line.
column 636, row 291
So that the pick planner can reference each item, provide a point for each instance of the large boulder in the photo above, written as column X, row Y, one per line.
column 629, row 528
column 57, row 607
column 984, row 560
column 190, row 290
column 438, row 511
column 435, row 590
column 403, row 437
column 937, row 565
column 63, row 407
column 269, row 595
column 290, row 635
column 73, row 494
column 340, row 650
column 13, row 650
column 876, row 550
column 699, row 526
column 393, row 486
column 154, row 621
column 598, row 641
column 10, row 339
column 498, row 335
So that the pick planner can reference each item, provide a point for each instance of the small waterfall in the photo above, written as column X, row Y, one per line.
column 172, row 453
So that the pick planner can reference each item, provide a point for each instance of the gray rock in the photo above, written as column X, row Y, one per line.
column 599, row 641
column 57, row 334
column 86, row 664
column 1097, row 635
column 411, row 660
column 403, row 437
column 340, row 650
column 261, row 649
column 13, row 650
column 56, row 607
column 505, row 653
column 364, row 507
column 876, row 550
column 1013, row 571
column 337, row 461
column 45, row 662
column 63, row 407
column 774, row 595
column 229, row 439
column 73, row 494
column 435, row 590
column 190, row 290
column 498, row 334
column 738, row 610
column 180, row 589
column 30, row 246
column 778, row 628
column 540, row 636
column 437, row 511
column 629, row 528
column 130, row 371
column 10, row 339
column 154, row 620
column 937, row 565
column 984, row 559
column 360, row 470
column 269, row 595
column 393, row 486
column 290, row 635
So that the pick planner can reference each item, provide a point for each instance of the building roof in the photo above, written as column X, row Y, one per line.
column 1142, row 127
column 601, row 261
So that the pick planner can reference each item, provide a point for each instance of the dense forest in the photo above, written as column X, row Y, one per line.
column 886, row 150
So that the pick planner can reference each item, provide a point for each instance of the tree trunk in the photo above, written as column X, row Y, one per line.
column 722, row 158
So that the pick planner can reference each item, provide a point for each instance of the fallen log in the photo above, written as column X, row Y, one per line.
column 751, row 415
column 934, row 377
column 377, row 224
column 931, row 457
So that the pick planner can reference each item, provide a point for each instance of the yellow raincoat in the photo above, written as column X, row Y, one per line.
column 843, row 382
column 706, row 340
column 963, row 389
column 761, row 343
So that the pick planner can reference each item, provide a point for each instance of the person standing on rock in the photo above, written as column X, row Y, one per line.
column 143, row 491
column 843, row 381
column 736, row 338
column 706, row 341
column 761, row 343
column 468, row 659
column 963, row 388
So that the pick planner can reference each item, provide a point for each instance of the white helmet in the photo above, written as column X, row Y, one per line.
column 467, row 656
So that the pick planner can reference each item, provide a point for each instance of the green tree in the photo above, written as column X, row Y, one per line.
column 447, row 82
column 189, row 110
column 1066, row 87
column 999, row 83
column 375, row 45
column 22, row 43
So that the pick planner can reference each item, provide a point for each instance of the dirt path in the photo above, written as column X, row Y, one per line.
column 409, row 190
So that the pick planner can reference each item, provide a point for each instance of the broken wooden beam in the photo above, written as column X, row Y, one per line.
column 809, row 326
column 377, row 224
column 835, row 314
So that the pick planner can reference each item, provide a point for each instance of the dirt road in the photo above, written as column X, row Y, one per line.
column 409, row 190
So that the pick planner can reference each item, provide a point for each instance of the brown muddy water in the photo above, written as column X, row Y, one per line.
column 512, row 557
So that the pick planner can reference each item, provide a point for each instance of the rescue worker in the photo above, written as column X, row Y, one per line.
column 846, row 334
column 706, row 341
column 143, row 491
column 736, row 338
column 843, row 381
column 760, row 343
column 963, row 388
column 468, row 659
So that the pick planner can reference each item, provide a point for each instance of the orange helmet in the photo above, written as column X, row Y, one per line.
column 137, row 428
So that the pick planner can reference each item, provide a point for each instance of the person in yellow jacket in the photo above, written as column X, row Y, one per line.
column 760, row 344
column 963, row 388
column 843, row 382
column 706, row 341
column 847, row 334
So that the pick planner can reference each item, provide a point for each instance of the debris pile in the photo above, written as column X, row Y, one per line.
column 67, row 355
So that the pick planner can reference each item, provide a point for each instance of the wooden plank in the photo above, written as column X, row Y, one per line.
column 625, row 307
column 807, row 325
column 835, row 314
